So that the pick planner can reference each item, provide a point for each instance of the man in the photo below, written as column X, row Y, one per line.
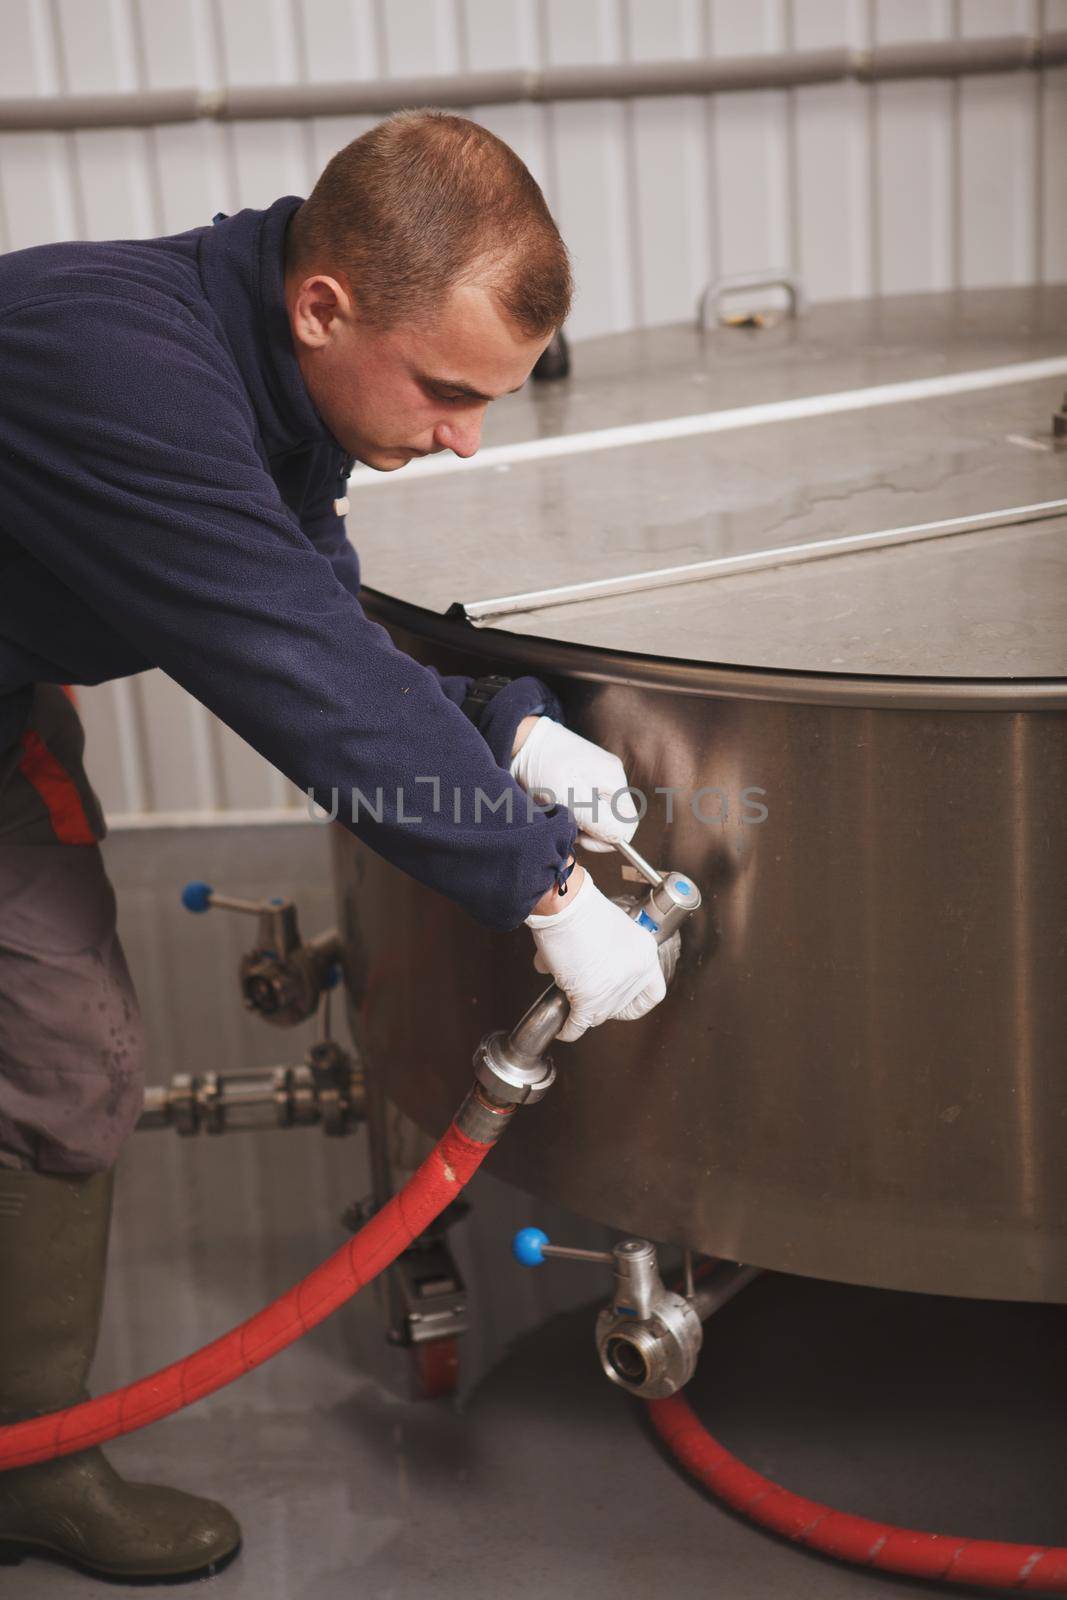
column 179, row 421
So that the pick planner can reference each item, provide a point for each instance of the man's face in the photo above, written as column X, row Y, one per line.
column 388, row 396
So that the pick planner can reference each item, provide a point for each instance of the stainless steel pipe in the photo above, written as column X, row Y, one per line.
column 947, row 58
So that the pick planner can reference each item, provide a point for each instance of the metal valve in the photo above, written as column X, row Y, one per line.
column 325, row 1089
column 516, row 1067
column 281, row 978
column 649, row 1337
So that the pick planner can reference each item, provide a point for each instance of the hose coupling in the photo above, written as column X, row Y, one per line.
column 516, row 1067
column 483, row 1116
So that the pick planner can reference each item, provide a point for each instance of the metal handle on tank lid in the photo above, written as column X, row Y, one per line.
column 516, row 1066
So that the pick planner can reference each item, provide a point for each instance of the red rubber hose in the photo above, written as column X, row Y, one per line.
column 982, row 1563
column 450, row 1165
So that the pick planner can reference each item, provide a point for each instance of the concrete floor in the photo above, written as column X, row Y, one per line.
column 541, row 1480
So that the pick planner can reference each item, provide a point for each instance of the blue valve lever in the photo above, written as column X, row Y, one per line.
column 282, row 978
column 197, row 896
column 530, row 1246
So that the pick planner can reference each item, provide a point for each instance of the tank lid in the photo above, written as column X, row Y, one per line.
column 871, row 490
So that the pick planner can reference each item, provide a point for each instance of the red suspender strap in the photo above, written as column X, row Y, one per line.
column 57, row 789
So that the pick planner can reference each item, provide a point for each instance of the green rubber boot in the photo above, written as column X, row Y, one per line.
column 53, row 1254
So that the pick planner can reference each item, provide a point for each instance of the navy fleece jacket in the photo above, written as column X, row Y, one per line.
column 167, row 499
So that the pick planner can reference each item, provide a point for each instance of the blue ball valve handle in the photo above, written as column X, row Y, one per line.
column 530, row 1246
column 197, row 896
column 527, row 1247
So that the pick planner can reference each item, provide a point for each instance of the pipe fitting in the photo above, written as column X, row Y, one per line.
column 327, row 1089
column 282, row 979
column 649, row 1338
column 516, row 1067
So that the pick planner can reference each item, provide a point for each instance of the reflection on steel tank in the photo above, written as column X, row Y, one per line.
column 860, row 1073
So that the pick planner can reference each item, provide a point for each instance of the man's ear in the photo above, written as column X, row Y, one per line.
column 318, row 303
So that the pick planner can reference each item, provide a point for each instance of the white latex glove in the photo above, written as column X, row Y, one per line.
column 606, row 964
column 554, row 764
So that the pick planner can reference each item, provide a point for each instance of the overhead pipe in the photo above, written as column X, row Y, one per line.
column 625, row 80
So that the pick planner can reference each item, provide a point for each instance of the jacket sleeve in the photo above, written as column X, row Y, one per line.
column 127, row 458
column 522, row 697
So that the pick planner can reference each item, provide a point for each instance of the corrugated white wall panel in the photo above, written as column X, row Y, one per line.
column 36, row 193
column 668, row 159
column 912, row 160
column 28, row 62
column 338, row 39
column 750, row 193
column 997, row 195
column 264, row 44
column 420, row 36
column 178, row 45
column 1053, row 263
column 260, row 43
column 893, row 188
column 195, row 175
column 501, row 34
column 831, row 135
column 589, row 185
column 95, row 45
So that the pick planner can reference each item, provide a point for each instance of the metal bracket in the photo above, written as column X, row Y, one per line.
column 431, row 1295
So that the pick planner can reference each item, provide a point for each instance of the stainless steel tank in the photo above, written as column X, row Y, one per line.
column 861, row 1071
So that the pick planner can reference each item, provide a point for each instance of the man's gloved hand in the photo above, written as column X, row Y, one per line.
column 606, row 964
column 554, row 764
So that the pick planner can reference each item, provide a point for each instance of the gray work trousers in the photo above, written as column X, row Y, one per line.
column 71, row 1041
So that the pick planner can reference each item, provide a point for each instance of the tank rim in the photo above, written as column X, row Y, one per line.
column 716, row 680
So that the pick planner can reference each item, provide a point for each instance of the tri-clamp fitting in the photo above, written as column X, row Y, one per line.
column 649, row 1337
column 515, row 1067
